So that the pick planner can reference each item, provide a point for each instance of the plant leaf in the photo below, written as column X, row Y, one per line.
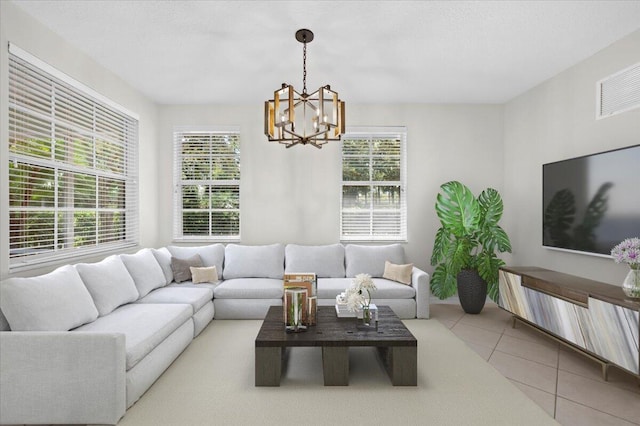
column 443, row 284
column 491, row 207
column 459, row 255
column 488, row 267
column 440, row 246
column 495, row 238
column 457, row 209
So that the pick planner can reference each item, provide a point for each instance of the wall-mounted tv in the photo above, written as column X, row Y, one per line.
column 591, row 203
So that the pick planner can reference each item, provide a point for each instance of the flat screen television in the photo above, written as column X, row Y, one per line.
column 591, row 203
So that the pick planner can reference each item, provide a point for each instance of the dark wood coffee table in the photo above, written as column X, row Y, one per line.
column 396, row 345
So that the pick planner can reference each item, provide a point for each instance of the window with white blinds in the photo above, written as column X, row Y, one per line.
column 72, row 167
column 207, row 183
column 374, row 202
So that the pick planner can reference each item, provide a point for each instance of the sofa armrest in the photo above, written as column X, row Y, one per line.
column 62, row 377
column 420, row 281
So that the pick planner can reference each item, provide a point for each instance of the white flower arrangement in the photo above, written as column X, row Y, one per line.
column 355, row 295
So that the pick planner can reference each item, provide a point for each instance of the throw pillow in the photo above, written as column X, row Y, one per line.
column 163, row 256
column 109, row 283
column 182, row 267
column 208, row 274
column 145, row 270
column 57, row 301
column 399, row 273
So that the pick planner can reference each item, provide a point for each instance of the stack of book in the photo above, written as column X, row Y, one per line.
column 342, row 311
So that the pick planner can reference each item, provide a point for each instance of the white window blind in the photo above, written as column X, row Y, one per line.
column 73, row 163
column 207, row 183
column 374, row 204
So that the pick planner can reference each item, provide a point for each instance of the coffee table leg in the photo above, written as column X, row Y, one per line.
column 404, row 366
column 268, row 366
column 335, row 365
column 401, row 363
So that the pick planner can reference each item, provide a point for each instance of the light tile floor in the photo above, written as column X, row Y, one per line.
column 566, row 384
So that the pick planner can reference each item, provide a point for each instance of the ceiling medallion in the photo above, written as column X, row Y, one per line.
column 292, row 118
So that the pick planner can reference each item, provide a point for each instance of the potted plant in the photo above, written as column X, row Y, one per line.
column 464, row 251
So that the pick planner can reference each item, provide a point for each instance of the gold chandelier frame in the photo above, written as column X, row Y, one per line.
column 293, row 118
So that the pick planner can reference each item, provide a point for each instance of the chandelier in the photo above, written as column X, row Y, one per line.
column 293, row 118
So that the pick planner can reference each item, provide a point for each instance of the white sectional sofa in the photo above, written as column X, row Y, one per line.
column 83, row 343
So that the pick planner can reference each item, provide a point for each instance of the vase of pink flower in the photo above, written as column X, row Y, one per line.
column 359, row 298
column 628, row 251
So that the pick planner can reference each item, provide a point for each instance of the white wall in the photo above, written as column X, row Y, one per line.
column 555, row 121
column 25, row 32
column 293, row 195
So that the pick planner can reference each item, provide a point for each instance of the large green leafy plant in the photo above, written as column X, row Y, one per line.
column 468, row 238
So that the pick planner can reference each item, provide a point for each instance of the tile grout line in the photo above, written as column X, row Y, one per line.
column 599, row 411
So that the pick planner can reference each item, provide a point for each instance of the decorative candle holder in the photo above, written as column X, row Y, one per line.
column 295, row 301
column 312, row 310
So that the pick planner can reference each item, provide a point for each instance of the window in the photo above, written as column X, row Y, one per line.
column 374, row 203
column 207, row 184
column 72, row 167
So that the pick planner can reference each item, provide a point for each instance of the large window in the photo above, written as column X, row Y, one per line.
column 72, row 167
column 374, row 202
column 207, row 184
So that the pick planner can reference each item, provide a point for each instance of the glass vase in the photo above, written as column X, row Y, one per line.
column 368, row 316
column 631, row 284
column 295, row 300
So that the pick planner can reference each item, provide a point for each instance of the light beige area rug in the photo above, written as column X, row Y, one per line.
column 212, row 383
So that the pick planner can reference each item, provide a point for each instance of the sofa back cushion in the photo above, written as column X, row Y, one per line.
column 370, row 259
column 326, row 261
column 57, row 301
column 254, row 261
column 211, row 255
column 145, row 271
column 109, row 283
column 163, row 256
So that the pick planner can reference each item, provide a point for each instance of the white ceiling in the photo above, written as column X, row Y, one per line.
column 194, row 52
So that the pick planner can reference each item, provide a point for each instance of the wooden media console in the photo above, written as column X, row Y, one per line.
column 595, row 318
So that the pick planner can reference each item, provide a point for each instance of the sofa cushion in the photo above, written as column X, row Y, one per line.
column 196, row 297
column 326, row 261
column 249, row 288
column 144, row 326
column 182, row 267
column 399, row 273
column 211, row 255
column 206, row 274
column 163, row 256
column 57, row 301
column 329, row 288
column 370, row 259
column 145, row 271
column 254, row 261
column 109, row 283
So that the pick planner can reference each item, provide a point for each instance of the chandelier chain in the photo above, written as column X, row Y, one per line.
column 304, row 68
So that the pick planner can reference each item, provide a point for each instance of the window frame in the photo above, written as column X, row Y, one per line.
column 64, row 107
column 178, row 210
column 373, row 133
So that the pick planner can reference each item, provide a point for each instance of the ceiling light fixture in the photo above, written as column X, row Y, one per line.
column 293, row 118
